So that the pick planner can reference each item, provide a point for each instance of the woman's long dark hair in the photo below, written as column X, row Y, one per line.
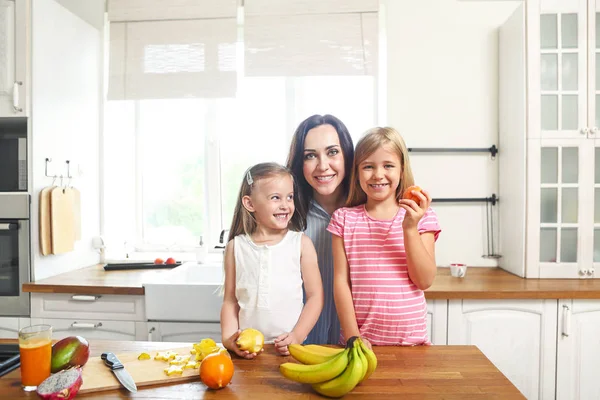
column 295, row 160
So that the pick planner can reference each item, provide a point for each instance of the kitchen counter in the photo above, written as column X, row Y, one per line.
column 432, row 372
column 479, row 283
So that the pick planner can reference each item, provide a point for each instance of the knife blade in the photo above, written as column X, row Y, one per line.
column 119, row 370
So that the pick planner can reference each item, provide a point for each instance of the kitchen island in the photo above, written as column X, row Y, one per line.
column 431, row 372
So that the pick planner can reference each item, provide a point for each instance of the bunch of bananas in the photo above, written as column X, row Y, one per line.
column 332, row 372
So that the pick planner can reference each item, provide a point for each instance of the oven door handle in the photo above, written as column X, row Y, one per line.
column 9, row 226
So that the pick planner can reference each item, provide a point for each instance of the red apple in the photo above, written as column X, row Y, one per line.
column 170, row 261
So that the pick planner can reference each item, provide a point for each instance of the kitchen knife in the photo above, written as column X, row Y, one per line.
column 119, row 370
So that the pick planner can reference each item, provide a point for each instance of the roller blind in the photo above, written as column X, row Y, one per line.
column 310, row 37
column 172, row 49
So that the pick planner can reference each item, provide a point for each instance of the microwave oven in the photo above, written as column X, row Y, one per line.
column 13, row 155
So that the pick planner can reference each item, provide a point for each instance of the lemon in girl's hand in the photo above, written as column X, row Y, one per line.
column 251, row 340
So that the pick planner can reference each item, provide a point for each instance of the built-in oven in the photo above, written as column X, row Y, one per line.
column 15, row 258
column 13, row 154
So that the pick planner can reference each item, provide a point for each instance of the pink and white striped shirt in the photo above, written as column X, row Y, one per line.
column 390, row 309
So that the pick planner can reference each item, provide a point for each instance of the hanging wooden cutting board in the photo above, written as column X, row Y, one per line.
column 62, row 220
column 45, row 228
column 97, row 376
column 77, row 213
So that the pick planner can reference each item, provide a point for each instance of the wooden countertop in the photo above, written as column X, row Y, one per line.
column 432, row 372
column 479, row 283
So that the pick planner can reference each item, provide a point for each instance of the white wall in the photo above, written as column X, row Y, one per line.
column 66, row 54
column 442, row 84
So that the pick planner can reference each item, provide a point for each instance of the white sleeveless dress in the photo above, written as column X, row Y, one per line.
column 268, row 284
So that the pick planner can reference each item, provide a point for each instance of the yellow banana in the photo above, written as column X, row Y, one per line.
column 371, row 358
column 363, row 360
column 311, row 355
column 317, row 372
column 337, row 387
column 324, row 349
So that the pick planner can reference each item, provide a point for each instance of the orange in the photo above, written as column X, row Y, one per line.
column 409, row 196
column 216, row 370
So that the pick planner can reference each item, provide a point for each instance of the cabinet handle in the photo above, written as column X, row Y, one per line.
column 566, row 330
column 584, row 131
column 84, row 298
column 150, row 333
column 16, row 107
column 594, row 130
column 81, row 325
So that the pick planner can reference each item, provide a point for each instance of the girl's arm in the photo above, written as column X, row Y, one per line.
column 230, row 328
column 313, row 287
column 341, row 289
column 420, row 248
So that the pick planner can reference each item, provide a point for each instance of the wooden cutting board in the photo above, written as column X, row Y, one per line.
column 77, row 213
column 45, row 228
column 62, row 220
column 97, row 376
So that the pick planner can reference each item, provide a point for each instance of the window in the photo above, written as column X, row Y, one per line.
column 173, row 159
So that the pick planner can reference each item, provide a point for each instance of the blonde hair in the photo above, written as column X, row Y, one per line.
column 243, row 221
column 372, row 140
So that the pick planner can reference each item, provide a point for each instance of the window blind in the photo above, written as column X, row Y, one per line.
column 172, row 59
column 310, row 38
column 151, row 10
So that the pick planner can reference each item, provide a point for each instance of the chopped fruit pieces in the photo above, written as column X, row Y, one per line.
column 165, row 355
column 144, row 356
column 180, row 360
column 174, row 370
column 192, row 365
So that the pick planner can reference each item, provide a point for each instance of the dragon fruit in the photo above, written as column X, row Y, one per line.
column 63, row 385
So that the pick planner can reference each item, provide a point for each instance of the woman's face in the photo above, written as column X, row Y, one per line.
column 323, row 160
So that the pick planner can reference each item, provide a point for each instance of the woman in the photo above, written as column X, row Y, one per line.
column 321, row 156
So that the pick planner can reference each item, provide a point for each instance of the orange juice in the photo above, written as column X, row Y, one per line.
column 35, row 361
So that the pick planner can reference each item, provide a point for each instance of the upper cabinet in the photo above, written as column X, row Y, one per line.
column 549, row 105
column 13, row 57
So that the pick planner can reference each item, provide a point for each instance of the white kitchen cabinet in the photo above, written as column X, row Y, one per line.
column 578, row 350
column 437, row 321
column 518, row 336
column 88, row 306
column 9, row 327
column 13, row 57
column 549, row 64
column 93, row 328
column 183, row 331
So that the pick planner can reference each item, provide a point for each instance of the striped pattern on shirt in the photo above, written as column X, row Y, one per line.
column 390, row 309
column 327, row 328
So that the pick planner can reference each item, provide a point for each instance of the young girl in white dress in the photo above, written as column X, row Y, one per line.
column 267, row 263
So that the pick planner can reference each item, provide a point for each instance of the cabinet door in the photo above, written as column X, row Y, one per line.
column 559, row 206
column 437, row 321
column 578, row 369
column 558, row 68
column 13, row 56
column 518, row 336
column 90, row 329
column 184, row 331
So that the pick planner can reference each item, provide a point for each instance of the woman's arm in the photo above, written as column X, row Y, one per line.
column 341, row 289
column 313, row 287
column 230, row 325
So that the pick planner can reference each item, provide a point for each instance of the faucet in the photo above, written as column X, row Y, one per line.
column 221, row 238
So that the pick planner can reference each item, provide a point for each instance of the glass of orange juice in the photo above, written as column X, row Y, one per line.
column 35, row 347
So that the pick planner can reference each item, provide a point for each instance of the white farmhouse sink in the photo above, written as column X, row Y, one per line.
column 188, row 293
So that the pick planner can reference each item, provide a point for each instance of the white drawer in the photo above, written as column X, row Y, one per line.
column 9, row 327
column 90, row 329
column 183, row 331
column 108, row 307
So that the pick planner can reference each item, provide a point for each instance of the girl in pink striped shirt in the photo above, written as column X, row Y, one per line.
column 383, row 247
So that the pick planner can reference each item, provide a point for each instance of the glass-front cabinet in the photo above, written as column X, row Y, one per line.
column 567, row 223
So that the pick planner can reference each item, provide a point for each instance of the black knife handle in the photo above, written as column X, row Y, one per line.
column 112, row 361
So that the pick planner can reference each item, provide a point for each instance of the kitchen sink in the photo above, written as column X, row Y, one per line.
column 187, row 293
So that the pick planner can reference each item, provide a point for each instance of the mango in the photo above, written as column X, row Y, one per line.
column 71, row 351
